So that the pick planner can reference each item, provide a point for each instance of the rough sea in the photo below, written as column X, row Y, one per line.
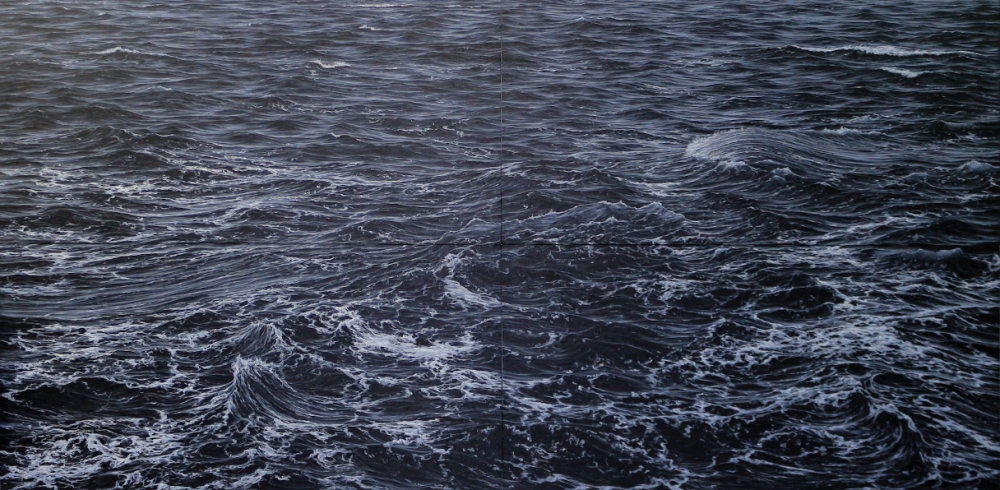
column 499, row 244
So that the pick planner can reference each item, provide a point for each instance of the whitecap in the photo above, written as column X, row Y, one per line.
column 466, row 297
column 882, row 50
column 459, row 293
column 657, row 209
column 405, row 346
column 328, row 66
column 368, row 340
column 902, row 72
column 119, row 49
column 783, row 172
column 702, row 147
column 715, row 148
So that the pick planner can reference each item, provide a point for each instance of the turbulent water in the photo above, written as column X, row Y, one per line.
column 655, row 244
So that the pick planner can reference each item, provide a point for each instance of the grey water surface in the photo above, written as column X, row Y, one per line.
column 547, row 245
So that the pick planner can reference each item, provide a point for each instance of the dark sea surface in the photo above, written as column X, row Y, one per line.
column 656, row 244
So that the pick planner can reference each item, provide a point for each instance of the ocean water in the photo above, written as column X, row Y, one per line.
column 447, row 244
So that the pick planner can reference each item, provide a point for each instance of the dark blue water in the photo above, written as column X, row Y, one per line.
column 558, row 245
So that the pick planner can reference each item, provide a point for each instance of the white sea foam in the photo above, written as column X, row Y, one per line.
column 703, row 147
column 404, row 345
column 844, row 131
column 327, row 456
column 565, row 481
column 882, row 50
column 120, row 49
column 329, row 66
column 782, row 172
column 411, row 433
column 670, row 288
column 657, row 209
column 467, row 298
column 434, row 356
column 459, row 293
column 92, row 451
column 387, row 341
column 903, row 72
column 714, row 148
column 55, row 289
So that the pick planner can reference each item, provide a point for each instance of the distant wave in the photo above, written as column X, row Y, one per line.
column 821, row 154
column 977, row 167
column 119, row 49
column 903, row 72
column 328, row 66
column 882, row 50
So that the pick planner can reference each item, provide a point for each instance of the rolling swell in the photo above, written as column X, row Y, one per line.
column 710, row 245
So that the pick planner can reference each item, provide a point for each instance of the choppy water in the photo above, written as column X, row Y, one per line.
column 341, row 245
